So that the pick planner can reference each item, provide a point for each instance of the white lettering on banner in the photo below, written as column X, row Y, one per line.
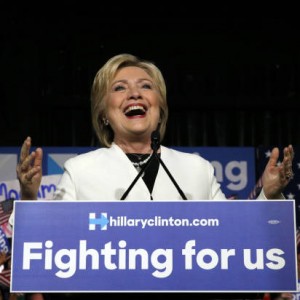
column 65, row 259
column 161, row 260
column 276, row 262
column 122, row 221
column 238, row 179
column 189, row 251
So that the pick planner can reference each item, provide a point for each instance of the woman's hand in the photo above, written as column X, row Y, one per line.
column 29, row 171
column 277, row 175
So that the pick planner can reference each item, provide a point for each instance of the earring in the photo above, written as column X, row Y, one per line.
column 105, row 121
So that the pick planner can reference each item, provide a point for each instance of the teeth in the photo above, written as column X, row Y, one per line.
column 130, row 108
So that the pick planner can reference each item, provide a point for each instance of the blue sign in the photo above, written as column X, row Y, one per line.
column 234, row 168
column 198, row 246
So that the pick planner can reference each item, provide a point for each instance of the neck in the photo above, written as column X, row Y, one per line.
column 135, row 147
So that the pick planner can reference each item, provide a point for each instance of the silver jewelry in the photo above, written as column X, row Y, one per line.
column 289, row 175
column 139, row 165
column 105, row 121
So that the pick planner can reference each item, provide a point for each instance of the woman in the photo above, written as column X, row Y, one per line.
column 128, row 103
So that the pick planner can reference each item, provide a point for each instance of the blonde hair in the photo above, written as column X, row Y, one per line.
column 102, row 83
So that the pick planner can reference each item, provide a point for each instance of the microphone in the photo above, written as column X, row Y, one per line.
column 155, row 144
column 155, row 140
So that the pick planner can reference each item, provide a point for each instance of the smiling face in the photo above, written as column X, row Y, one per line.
column 132, row 106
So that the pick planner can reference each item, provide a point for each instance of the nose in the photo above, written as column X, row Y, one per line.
column 134, row 93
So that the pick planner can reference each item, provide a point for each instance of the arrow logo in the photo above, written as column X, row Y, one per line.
column 102, row 221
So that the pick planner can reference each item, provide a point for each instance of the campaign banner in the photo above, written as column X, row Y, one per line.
column 8, row 163
column 4, row 243
column 11, row 189
column 234, row 166
column 156, row 246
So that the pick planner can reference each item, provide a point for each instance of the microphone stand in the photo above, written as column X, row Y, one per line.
column 144, row 167
column 155, row 144
column 171, row 177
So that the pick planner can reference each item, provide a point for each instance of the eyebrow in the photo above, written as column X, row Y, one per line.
column 125, row 80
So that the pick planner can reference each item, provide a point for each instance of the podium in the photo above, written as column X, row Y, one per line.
column 154, row 246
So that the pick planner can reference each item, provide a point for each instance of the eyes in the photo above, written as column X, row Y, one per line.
column 122, row 86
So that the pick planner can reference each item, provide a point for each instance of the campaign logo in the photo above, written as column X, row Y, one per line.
column 102, row 221
column 55, row 162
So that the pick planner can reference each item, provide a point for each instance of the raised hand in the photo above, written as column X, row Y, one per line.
column 276, row 175
column 29, row 171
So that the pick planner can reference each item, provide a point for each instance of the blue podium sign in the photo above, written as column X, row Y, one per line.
column 159, row 246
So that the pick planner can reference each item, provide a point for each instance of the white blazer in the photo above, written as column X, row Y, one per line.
column 106, row 173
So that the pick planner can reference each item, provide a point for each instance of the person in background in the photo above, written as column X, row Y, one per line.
column 128, row 105
column 5, row 259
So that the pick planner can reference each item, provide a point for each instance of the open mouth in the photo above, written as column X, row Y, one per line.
column 135, row 110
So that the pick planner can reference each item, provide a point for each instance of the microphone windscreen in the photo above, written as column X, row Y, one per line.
column 155, row 140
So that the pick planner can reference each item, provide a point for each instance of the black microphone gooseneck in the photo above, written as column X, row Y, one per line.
column 144, row 167
column 155, row 144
